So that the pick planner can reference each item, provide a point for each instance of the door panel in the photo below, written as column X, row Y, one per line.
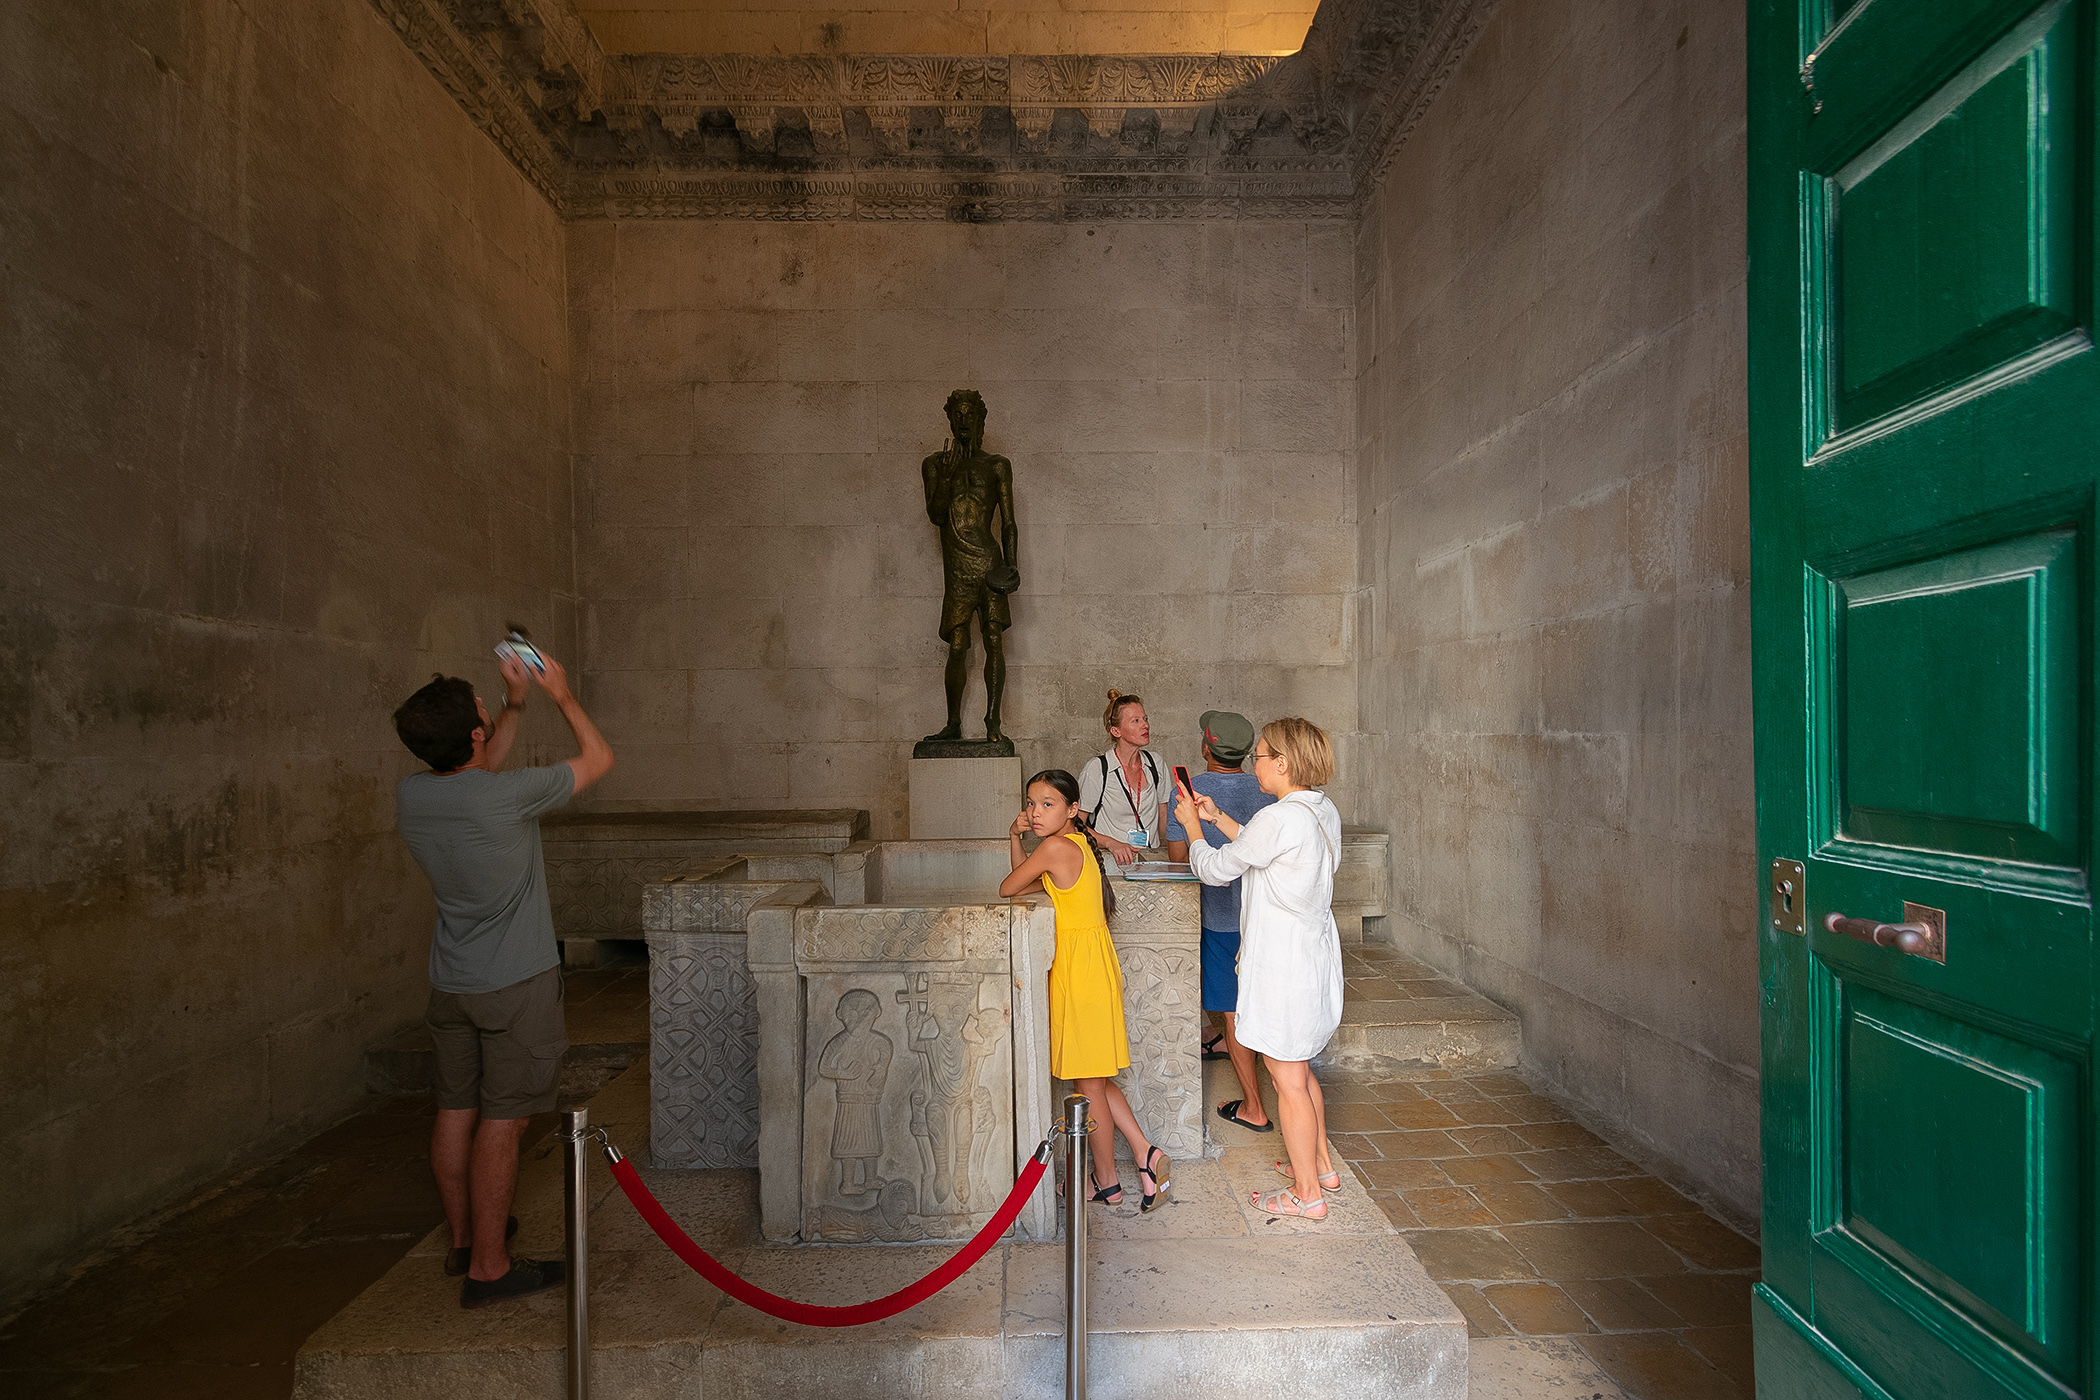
column 1957, row 684
column 1954, row 234
column 1925, row 448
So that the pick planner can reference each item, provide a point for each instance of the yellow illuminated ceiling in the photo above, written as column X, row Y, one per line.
column 948, row 26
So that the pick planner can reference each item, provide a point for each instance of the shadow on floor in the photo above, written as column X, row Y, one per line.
column 214, row 1297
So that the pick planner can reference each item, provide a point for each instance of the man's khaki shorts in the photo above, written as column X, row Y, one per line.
column 500, row 1051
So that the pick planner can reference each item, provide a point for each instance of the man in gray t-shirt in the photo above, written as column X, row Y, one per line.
column 495, row 1012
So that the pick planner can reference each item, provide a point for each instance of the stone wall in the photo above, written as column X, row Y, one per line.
column 1552, row 497
column 753, row 404
column 287, row 387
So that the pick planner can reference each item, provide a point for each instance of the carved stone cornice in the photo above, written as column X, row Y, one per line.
column 973, row 138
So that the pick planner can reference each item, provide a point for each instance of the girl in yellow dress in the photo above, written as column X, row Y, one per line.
column 1087, row 1041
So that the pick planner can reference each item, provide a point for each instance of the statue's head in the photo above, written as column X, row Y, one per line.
column 952, row 1004
column 858, row 1009
column 966, row 414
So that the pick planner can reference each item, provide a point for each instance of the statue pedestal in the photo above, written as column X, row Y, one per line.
column 956, row 799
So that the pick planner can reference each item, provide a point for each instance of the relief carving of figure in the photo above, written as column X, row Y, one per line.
column 951, row 1037
column 857, row 1061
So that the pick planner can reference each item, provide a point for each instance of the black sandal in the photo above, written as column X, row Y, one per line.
column 1210, row 1048
column 1161, row 1181
column 1230, row 1112
column 1109, row 1195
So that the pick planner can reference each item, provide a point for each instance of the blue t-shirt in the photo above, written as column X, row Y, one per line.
column 1238, row 796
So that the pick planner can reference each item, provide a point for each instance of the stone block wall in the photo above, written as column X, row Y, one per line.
column 1554, row 543
column 754, row 401
column 287, row 387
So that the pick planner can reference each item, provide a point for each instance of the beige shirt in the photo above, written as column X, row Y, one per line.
column 1102, row 785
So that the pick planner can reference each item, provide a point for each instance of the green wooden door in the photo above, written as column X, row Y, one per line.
column 1925, row 442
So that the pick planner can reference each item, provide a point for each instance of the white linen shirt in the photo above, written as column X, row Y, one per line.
column 1290, row 950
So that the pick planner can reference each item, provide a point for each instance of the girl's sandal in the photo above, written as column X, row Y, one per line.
column 1286, row 1202
column 1109, row 1195
column 1157, row 1167
column 1211, row 1050
column 1329, row 1181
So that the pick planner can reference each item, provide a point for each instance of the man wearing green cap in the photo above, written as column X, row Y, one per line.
column 1227, row 737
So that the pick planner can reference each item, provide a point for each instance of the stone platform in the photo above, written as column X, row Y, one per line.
column 1202, row 1298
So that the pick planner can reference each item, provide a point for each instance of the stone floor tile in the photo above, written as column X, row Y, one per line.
column 1649, row 1196
column 1549, row 1133
column 1356, row 1118
column 1487, row 1140
column 1537, row 1368
column 1518, row 1202
column 1703, row 1240
column 1591, row 1249
column 1399, row 1091
column 1484, row 1111
column 1397, row 1211
column 1453, row 1091
column 1199, row 1205
column 1494, row 1166
column 1537, row 1309
column 1421, row 1113
column 1656, row 1366
column 261, row 1314
column 1577, row 1164
column 1423, row 1143
column 1354, row 1146
column 1499, row 1085
column 1621, row 1305
column 1469, row 1254
column 1447, row 1207
column 1402, row 1175
column 1592, row 1199
column 1728, row 1348
column 1481, row 1319
column 1705, row 1300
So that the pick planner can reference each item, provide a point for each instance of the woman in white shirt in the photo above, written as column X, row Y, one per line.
column 1290, row 1002
column 1121, row 791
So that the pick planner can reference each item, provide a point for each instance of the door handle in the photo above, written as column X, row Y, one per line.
column 1922, row 934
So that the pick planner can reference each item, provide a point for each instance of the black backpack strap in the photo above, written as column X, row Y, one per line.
column 1099, row 802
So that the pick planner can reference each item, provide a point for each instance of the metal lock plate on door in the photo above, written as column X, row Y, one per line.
column 1790, row 897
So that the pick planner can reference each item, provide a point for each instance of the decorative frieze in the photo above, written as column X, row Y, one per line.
column 809, row 136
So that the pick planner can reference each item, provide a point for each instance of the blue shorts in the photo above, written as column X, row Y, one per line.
column 1221, row 971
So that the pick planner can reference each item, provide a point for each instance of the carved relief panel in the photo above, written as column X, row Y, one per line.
column 908, row 1107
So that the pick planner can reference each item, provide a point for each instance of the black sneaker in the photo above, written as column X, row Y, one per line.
column 460, row 1259
column 525, row 1276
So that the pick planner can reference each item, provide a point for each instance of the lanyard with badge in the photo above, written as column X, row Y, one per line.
column 1137, row 835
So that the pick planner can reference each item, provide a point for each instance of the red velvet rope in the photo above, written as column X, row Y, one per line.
column 808, row 1314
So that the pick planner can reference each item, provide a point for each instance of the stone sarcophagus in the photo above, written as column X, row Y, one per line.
column 903, row 1071
column 908, row 1071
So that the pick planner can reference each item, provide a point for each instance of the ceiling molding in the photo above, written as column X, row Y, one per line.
column 970, row 138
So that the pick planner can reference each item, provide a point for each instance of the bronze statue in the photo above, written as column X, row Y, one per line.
column 965, row 487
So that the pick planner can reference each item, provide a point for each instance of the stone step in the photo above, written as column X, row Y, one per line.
column 1203, row 1297
column 1394, row 1008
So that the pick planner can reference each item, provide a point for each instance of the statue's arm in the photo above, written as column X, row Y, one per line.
column 933, row 472
column 1009, row 532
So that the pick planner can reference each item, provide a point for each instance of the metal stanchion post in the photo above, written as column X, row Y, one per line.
column 576, row 1202
column 1076, row 1126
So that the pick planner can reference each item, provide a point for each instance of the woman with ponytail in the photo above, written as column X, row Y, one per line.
column 1088, row 1044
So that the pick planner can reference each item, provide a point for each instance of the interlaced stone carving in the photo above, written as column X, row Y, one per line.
column 1162, row 1013
column 600, row 897
column 703, row 1057
column 773, row 136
